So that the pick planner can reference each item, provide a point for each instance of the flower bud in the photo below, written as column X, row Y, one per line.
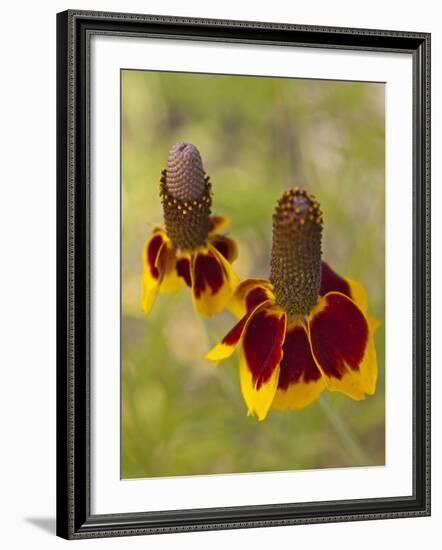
column 185, row 192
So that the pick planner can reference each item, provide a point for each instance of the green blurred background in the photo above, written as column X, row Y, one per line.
column 182, row 415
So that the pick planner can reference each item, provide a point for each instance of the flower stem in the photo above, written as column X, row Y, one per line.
column 344, row 433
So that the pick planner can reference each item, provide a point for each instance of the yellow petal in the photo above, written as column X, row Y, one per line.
column 298, row 396
column 257, row 400
column 171, row 282
column 151, row 276
column 358, row 294
column 213, row 281
column 261, row 353
column 149, row 291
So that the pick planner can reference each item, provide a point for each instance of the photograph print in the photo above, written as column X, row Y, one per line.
column 253, row 274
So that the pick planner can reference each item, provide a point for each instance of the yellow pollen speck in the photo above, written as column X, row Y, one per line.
column 200, row 205
column 311, row 218
column 169, row 204
column 301, row 221
column 174, row 201
column 184, row 212
column 190, row 208
column 297, row 210
column 179, row 207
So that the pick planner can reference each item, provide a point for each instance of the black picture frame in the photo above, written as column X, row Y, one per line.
column 74, row 518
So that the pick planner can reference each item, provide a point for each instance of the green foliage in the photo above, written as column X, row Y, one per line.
column 257, row 136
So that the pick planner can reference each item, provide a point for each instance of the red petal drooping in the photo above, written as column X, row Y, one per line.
column 226, row 246
column 222, row 247
column 248, row 294
column 208, row 272
column 300, row 380
column 255, row 297
column 228, row 344
column 159, row 269
column 261, row 352
column 297, row 361
column 183, row 270
column 332, row 282
column 213, row 281
column 339, row 335
column 152, row 254
column 234, row 335
column 262, row 343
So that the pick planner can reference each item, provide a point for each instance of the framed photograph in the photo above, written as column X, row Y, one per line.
column 243, row 274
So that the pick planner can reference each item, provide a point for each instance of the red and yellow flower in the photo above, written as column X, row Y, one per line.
column 188, row 249
column 306, row 328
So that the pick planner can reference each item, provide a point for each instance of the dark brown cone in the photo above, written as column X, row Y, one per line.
column 296, row 252
column 185, row 192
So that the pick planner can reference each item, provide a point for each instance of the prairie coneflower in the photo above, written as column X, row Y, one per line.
column 188, row 249
column 304, row 329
